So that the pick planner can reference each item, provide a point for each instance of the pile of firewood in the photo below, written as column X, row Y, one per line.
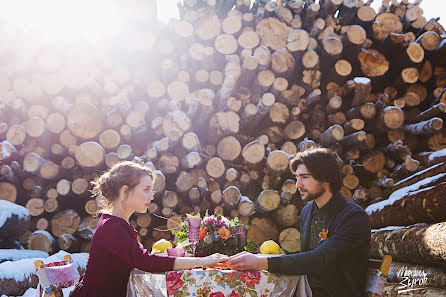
column 219, row 101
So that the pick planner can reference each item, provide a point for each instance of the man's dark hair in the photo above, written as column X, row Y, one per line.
column 321, row 164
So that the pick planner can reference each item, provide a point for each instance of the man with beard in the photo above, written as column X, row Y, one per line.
column 335, row 233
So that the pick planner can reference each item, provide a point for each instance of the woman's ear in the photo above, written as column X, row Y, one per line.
column 124, row 190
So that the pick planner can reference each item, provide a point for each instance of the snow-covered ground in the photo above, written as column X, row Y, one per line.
column 22, row 265
column 30, row 292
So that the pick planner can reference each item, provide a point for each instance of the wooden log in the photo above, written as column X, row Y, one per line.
column 231, row 197
column 32, row 163
column 399, row 242
column 427, row 127
column 416, row 203
column 373, row 161
column 277, row 161
column 267, row 30
column 363, row 88
column 248, row 39
column 66, row 221
column 267, row 201
column 85, row 121
column 225, row 44
column 246, row 207
column 429, row 40
column 8, row 192
column 262, row 229
column 253, row 152
column 408, row 167
column 170, row 200
column 395, row 289
column 392, row 117
column 184, row 182
column 294, row 130
column 282, row 63
column 373, row 63
column 298, row 41
column 68, row 243
column 332, row 135
column 35, row 206
column 90, row 154
column 17, row 219
column 229, row 148
column 231, row 24
column 9, row 152
column 208, row 27
column 263, row 57
column 43, row 241
column 426, row 173
column 286, row 215
column 173, row 223
column 289, row 240
column 434, row 111
column 263, row 81
column 436, row 277
column 385, row 23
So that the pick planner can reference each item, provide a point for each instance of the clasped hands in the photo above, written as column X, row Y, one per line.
column 241, row 261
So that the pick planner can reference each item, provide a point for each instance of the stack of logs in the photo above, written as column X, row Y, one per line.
column 218, row 102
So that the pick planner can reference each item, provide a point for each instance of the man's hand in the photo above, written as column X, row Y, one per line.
column 247, row 261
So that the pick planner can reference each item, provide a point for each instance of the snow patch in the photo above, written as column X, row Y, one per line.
column 15, row 255
column 418, row 173
column 362, row 80
column 391, row 228
column 7, row 209
column 403, row 192
column 437, row 154
column 23, row 269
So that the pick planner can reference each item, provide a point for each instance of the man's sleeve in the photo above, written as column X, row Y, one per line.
column 354, row 233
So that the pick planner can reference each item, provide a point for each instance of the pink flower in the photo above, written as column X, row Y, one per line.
column 251, row 278
column 234, row 294
column 173, row 282
column 217, row 294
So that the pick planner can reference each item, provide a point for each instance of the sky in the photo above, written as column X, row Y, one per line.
column 432, row 8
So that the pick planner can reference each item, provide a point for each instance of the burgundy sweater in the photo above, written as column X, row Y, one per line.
column 114, row 252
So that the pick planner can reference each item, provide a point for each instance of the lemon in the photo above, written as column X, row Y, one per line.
column 155, row 251
column 270, row 247
column 161, row 246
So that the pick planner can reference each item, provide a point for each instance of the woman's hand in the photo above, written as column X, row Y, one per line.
column 212, row 260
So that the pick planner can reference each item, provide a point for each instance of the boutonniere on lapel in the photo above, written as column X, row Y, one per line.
column 324, row 234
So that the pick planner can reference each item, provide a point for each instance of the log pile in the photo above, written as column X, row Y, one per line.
column 218, row 102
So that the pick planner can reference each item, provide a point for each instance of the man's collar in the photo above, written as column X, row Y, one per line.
column 332, row 204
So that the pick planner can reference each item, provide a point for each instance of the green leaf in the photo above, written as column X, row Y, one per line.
column 252, row 293
column 178, row 294
column 213, row 272
column 185, row 294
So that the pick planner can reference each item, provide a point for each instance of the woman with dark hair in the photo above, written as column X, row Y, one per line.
column 125, row 188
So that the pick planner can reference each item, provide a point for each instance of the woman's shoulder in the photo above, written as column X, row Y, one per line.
column 112, row 224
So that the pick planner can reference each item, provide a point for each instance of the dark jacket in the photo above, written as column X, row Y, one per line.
column 341, row 260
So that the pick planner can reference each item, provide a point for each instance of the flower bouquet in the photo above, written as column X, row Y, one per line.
column 217, row 234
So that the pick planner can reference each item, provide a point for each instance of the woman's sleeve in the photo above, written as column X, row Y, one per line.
column 117, row 240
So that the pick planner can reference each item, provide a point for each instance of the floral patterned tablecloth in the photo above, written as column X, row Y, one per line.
column 214, row 283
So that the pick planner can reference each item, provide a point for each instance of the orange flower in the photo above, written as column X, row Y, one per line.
column 323, row 234
column 224, row 233
column 202, row 233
